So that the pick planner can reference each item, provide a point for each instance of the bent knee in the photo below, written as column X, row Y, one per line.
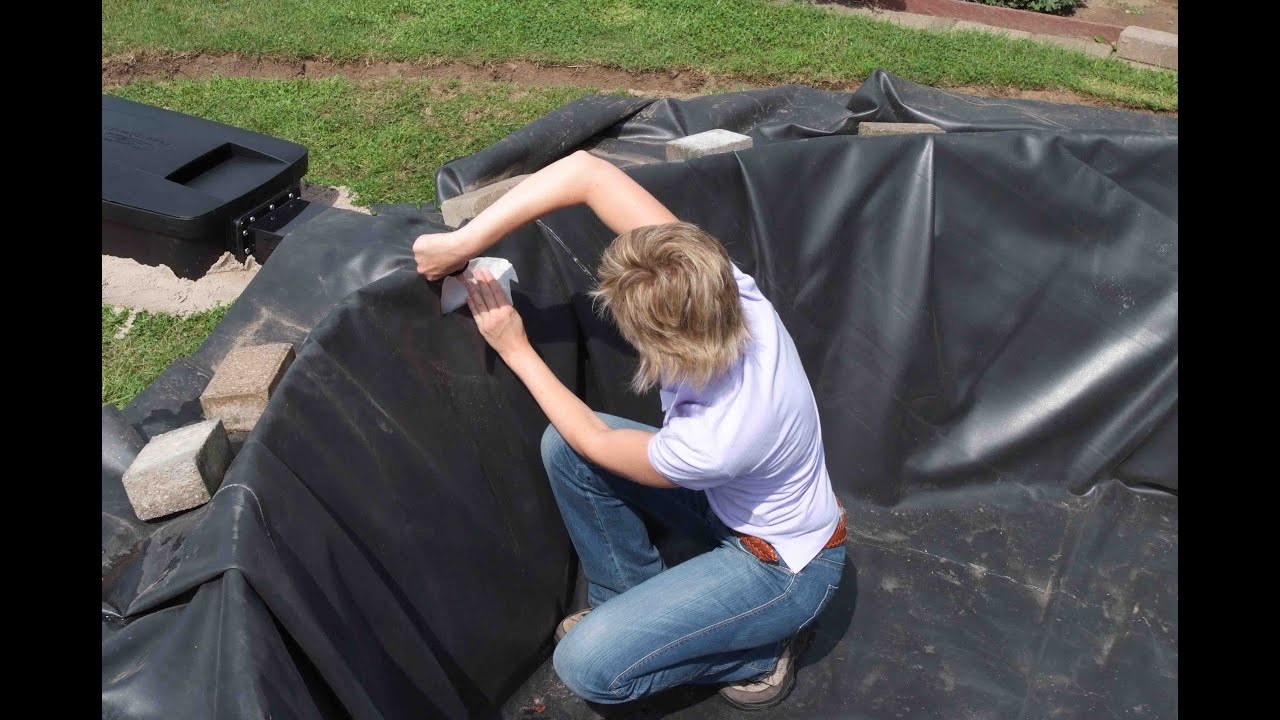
column 584, row 666
column 553, row 445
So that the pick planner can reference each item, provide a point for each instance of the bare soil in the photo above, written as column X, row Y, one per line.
column 122, row 69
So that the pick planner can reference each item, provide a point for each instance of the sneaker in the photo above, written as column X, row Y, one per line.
column 567, row 624
column 772, row 690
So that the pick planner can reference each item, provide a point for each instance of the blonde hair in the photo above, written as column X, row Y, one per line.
column 673, row 296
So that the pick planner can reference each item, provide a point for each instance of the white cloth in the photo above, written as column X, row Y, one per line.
column 453, row 293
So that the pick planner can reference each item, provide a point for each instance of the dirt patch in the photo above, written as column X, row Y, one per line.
column 121, row 69
column 129, row 284
column 1054, row 96
column 1154, row 14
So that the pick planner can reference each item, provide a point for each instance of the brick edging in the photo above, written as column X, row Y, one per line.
column 1032, row 22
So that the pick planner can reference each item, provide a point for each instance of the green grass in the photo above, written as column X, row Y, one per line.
column 385, row 141
column 155, row 340
column 754, row 39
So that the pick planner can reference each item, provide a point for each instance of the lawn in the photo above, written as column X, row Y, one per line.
column 754, row 40
column 153, row 341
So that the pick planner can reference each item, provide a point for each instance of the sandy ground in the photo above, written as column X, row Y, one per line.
column 129, row 284
column 339, row 197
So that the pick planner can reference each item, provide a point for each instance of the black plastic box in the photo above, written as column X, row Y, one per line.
column 179, row 190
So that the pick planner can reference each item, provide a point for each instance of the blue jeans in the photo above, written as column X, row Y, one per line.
column 722, row 616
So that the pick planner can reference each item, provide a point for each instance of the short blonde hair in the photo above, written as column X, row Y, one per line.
column 673, row 296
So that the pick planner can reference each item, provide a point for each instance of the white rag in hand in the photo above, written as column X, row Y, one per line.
column 453, row 293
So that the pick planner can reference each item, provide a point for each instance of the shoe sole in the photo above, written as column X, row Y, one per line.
column 561, row 632
column 801, row 647
column 765, row 704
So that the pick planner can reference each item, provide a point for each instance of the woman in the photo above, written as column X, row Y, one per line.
column 738, row 461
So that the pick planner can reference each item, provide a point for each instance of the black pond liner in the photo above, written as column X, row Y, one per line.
column 989, row 322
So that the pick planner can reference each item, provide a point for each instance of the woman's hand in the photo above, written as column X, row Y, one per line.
column 498, row 321
column 439, row 254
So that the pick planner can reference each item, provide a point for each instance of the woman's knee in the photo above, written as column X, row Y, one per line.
column 557, row 454
column 586, row 663
column 553, row 446
column 566, row 467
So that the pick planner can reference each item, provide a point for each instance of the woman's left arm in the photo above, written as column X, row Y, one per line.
column 619, row 450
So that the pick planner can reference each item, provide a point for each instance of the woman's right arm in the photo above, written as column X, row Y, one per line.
column 619, row 201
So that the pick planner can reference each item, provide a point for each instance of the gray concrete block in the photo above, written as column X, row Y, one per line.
column 979, row 27
column 883, row 128
column 706, row 143
column 178, row 470
column 243, row 383
column 1088, row 47
column 1153, row 47
column 472, row 203
column 919, row 22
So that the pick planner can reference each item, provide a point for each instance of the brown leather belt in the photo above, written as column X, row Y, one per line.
column 763, row 550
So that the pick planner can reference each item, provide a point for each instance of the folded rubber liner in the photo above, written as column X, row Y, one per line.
column 989, row 322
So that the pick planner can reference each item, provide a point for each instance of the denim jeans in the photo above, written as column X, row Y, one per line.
column 722, row 616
